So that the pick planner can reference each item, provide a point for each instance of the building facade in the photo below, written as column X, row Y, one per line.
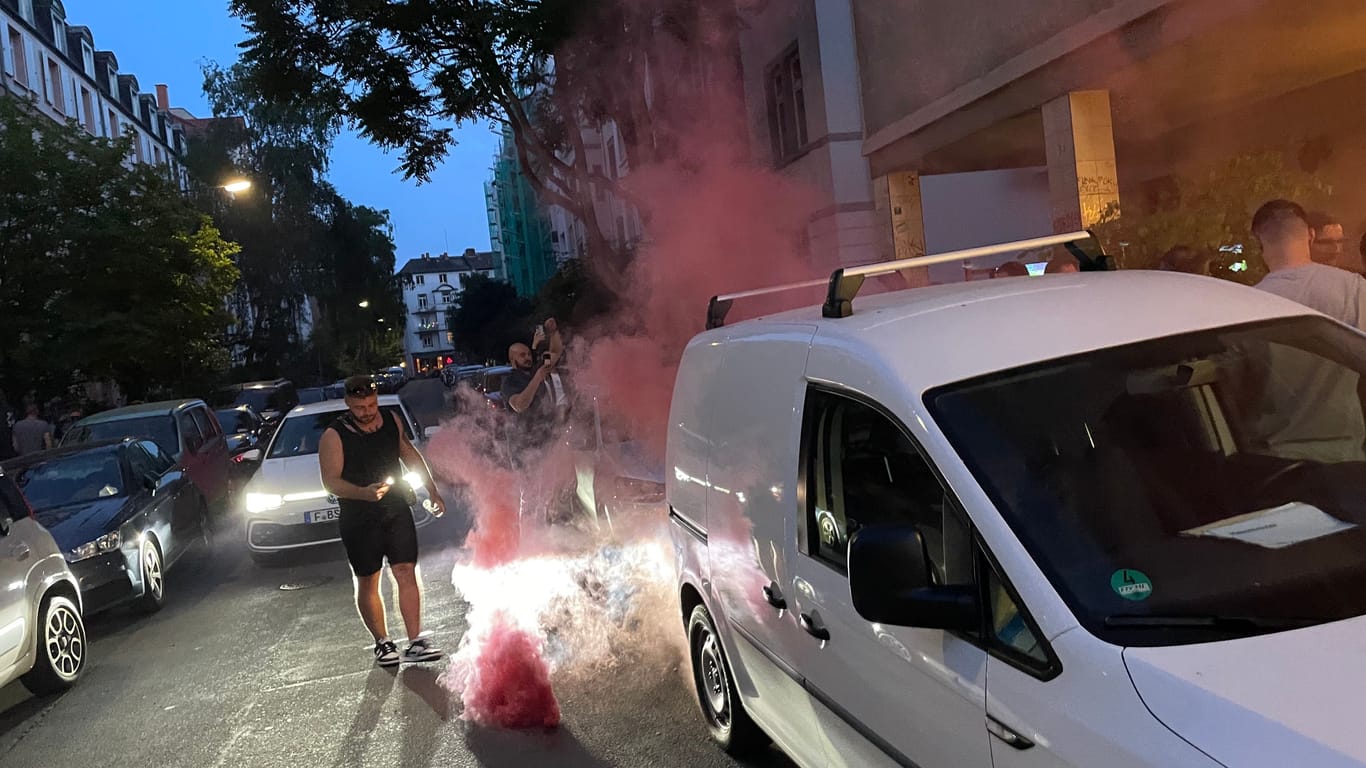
column 519, row 231
column 801, row 84
column 431, row 285
column 57, row 68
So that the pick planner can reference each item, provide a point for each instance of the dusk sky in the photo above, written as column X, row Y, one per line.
column 165, row 41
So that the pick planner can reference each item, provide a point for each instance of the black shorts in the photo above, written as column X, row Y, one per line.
column 374, row 533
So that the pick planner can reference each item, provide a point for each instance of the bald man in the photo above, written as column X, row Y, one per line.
column 525, row 392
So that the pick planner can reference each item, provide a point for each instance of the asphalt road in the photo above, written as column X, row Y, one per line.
column 269, row 666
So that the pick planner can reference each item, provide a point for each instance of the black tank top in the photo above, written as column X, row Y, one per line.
column 368, row 458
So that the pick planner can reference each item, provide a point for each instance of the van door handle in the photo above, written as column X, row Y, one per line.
column 774, row 596
column 813, row 627
column 1007, row 734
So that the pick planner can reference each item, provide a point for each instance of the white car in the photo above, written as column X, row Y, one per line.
column 42, row 634
column 285, row 504
column 1100, row 519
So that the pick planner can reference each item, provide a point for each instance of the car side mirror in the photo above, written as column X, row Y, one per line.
column 889, row 581
column 151, row 482
column 252, row 456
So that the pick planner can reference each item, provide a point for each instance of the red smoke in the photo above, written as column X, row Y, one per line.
column 509, row 685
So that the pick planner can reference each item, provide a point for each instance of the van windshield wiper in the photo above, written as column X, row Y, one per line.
column 1232, row 623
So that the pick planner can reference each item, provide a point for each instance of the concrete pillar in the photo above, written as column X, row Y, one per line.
column 1080, row 140
column 896, row 198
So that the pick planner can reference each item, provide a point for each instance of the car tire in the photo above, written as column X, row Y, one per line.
column 153, row 577
column 61, row 652
column 727, row 722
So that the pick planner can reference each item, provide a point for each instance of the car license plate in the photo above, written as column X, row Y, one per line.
column 322, row 515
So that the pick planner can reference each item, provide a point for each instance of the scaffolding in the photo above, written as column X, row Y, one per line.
column 518, row 230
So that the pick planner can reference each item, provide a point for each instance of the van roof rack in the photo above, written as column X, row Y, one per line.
column 844, row 284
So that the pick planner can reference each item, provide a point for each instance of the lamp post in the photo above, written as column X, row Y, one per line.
column 235, row 186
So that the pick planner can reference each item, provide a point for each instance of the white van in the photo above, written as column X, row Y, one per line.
column 1100, row 519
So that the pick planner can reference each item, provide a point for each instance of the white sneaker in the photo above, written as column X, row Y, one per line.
column 420, row 650
column 386, row 653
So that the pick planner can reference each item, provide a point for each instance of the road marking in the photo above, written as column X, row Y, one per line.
column 237, row 733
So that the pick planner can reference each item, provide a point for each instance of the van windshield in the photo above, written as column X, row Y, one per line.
column 1182, row 489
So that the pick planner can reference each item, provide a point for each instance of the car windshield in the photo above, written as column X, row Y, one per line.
column 311, row 395
column 1175, row 489
column 234, row 421
column 161, row 429
column 72, row 479
column 299, row 435
column 260, row 399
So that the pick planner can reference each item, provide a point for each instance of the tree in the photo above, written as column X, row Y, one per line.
column 488, row 317
column 106, row 270
column 574, row 295
column 1210, row 211
column 404, row 71
column 306, row 250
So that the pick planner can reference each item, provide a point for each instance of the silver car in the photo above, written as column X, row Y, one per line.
column 42, row 635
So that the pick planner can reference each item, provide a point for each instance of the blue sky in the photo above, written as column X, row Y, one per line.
column 164, row 41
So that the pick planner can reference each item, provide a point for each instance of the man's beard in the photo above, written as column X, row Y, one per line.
column 365, row 420
column 524, row 366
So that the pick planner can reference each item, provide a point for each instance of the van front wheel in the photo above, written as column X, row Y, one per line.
column 727, row 721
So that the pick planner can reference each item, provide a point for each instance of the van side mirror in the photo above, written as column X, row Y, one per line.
column 431, row 432
column 150, row 481
column 889, row 581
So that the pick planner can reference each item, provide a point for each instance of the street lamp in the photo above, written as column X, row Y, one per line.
column 237, row 185
column 365, row 304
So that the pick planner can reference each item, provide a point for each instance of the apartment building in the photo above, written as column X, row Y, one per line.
column 56, row 66
column 430, row 287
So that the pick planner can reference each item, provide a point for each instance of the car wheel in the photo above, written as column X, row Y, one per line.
column 61, row 647
column 727, row 721
column 153, row 577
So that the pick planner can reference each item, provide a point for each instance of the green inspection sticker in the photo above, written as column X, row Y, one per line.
column 1131, row 585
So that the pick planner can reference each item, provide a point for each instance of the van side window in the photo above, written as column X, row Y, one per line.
column 1011, row 633
column 863, row 470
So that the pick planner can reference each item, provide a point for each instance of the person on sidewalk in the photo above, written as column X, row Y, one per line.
column 361, row 455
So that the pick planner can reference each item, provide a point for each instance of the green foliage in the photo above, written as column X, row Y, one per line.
column 306, row 250
column 1209, row 211
column 106, row 272
column 488, row 317
column 574, row 296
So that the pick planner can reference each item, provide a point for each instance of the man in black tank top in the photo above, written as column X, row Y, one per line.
column 362, row 455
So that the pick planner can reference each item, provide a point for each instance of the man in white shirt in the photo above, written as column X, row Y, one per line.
column 1310, row 407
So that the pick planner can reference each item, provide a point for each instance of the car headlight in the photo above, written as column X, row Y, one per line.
column 263, row 502
column 106, row 543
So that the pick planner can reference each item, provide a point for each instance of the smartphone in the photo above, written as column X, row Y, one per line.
column 545, row 357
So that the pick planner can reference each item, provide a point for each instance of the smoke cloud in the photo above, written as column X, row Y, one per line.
column 552, row 602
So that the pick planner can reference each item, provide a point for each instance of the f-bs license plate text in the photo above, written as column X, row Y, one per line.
column 322, row 515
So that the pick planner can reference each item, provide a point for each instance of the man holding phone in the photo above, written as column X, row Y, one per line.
column 360, row 456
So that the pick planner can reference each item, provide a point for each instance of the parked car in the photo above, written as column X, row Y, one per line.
column 966, row 525
column 245, row 430
column 310, row 395
column 490, row 384
column 186, row 429
column 272, row 399
column 286, row 505
column 453, row 375
column 122, row 511
column 42, row 632
column 615, row 476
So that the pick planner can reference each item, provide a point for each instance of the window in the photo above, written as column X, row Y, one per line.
column 787, row 106
column 1012, row 634
column 422, row 301
column 612, row 158
column 863, row 470
column 26, row 10
column 189, row 430
column 421, row 279
column 18, row 56
column 146, row 459
column 156, row 155
column 88, row 111
column 426, row 341
column 443, row 277
column 114, row 125
column 54, row 86
column 621, row 230
column 207, row 427
column 139, row 153
column 1166, row 464
column 448, row 297
column 88, row 59
column 59, row 33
